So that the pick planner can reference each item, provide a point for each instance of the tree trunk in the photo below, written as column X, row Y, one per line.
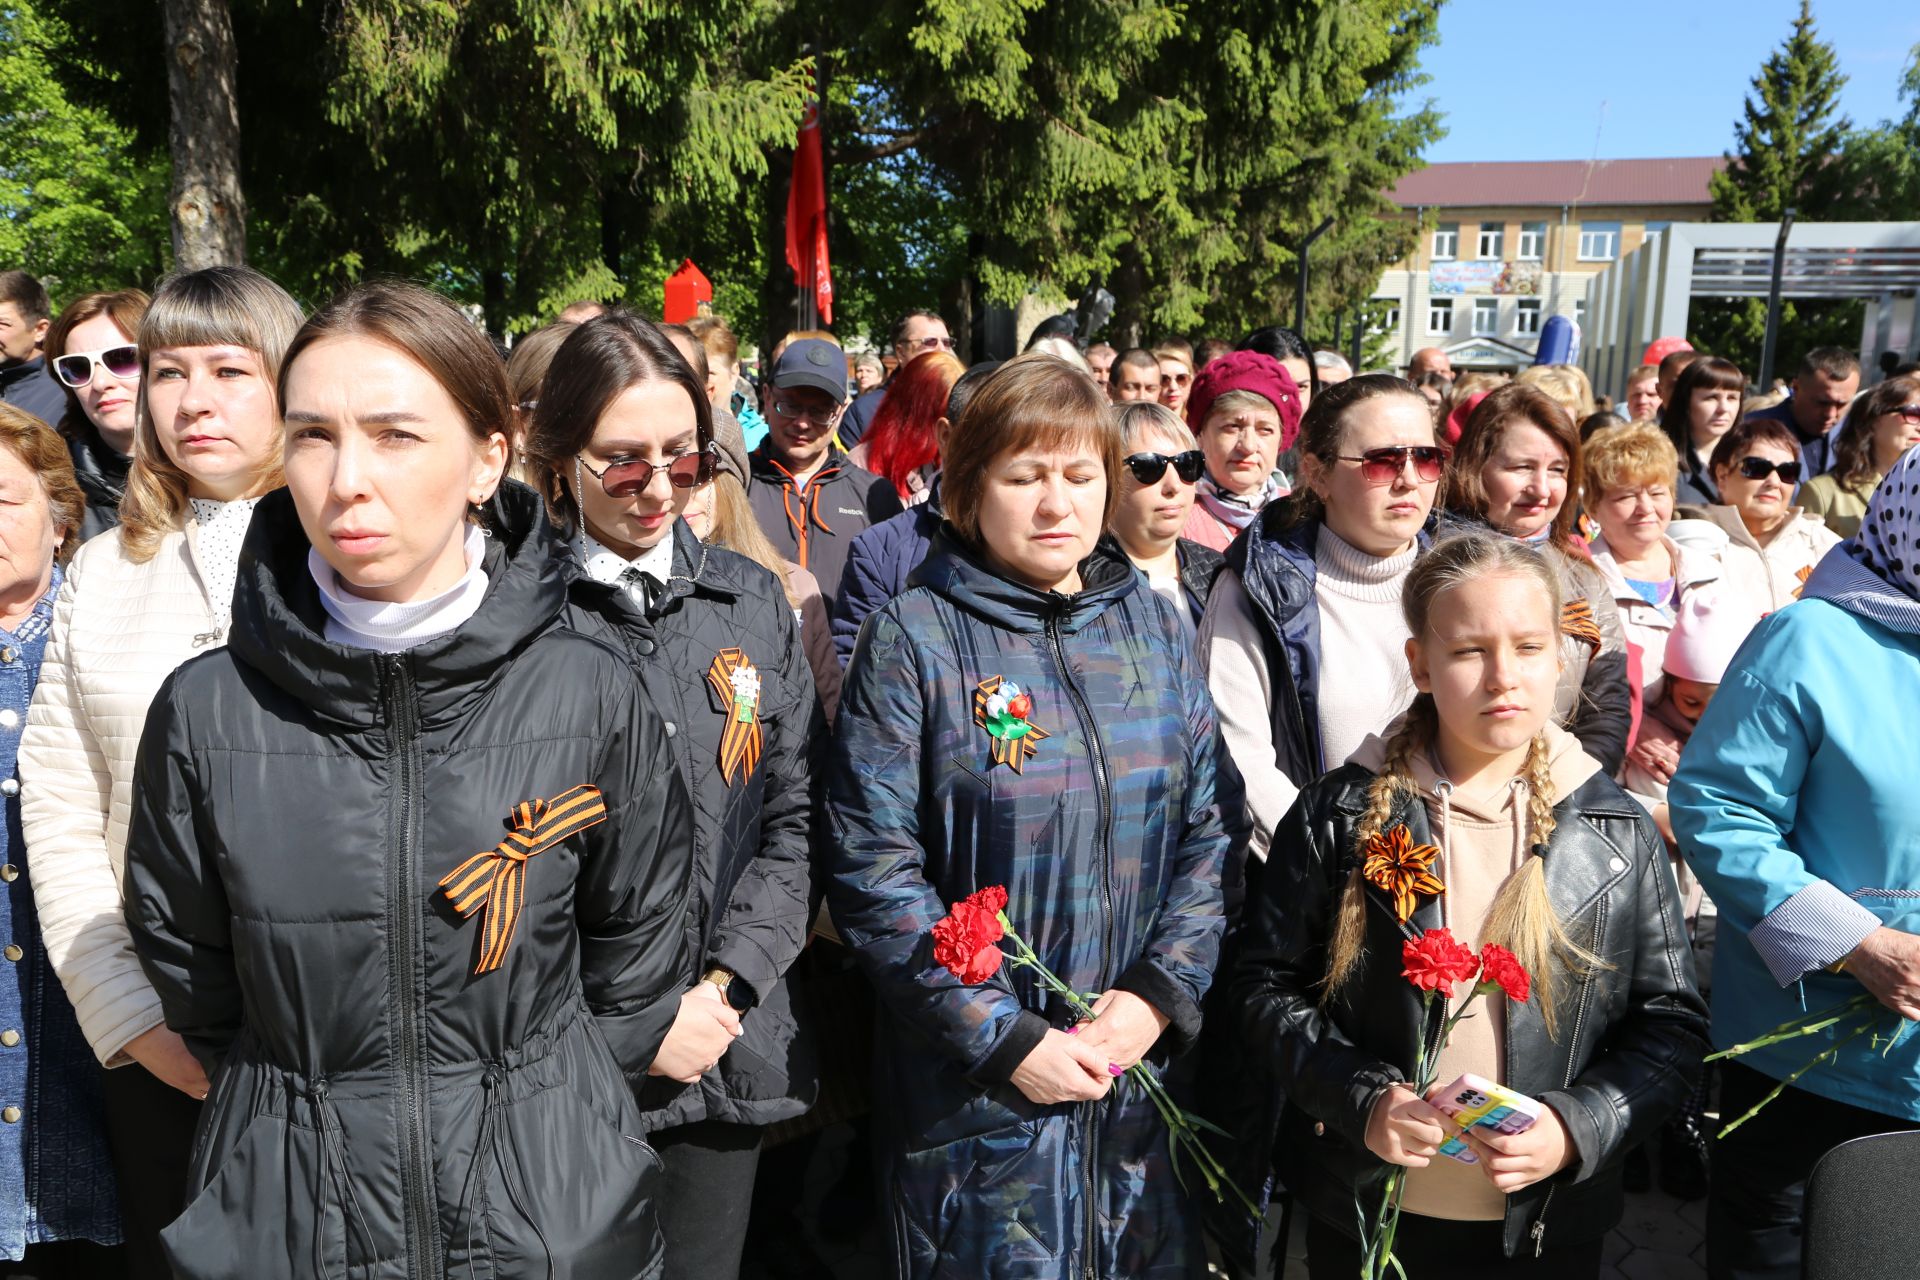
column 779, row 295
column 1129, row 291
column 613, row 227
column 493, row 302
column 209, row 211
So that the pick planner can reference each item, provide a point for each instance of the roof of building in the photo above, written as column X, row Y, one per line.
column 1560, row 182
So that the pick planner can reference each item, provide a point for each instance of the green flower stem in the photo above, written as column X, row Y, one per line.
column 1831, row 1052
column 1183, row 1130
column 1810, row 1024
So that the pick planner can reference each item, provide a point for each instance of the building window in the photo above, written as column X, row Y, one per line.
column 1599, row 241
column 1580, row 313
column 1446, row 240
column 1526, row 316
column 1389, row 321
column 1486, row 317
column 1440, row 315
column 1491, row 236
column 1533, row 241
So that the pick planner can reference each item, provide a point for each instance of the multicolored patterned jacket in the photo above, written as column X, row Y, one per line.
column 1107, row 835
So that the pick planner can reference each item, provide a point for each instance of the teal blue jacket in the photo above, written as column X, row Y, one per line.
column 1795, row 804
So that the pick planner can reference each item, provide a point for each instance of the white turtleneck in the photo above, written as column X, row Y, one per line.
column 219, row 529
column 396, row 626
column 1364, row 681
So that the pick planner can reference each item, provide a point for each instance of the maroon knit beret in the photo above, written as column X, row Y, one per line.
column 1247, row 371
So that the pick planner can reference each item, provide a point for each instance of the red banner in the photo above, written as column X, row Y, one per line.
column 807, row 215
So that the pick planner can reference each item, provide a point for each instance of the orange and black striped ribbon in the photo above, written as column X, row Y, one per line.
column 1012, row 752
column 740, row 740
column 1576, row 620
column 1802, row 573
column 496, row 881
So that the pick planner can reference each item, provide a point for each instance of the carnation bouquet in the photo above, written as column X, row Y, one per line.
column 967, row 944
column 1435, row 963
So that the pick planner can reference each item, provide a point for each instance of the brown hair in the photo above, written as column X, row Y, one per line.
column 1522, row 918
column 1745, row 434
column 599, row 360
column 736, row 528
column 1853, row 451
column 28, row 296
column 1637, row 454
column 715, row 336
column 531, row 357
column 1515, row 404
column 215, row 306
column 125, row 307
column 1033, row 401
column 1323, row 432
column 1705, row 373
column 45, row 454
column 691, row 349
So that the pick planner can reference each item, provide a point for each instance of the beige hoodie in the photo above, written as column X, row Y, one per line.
column 1482, row 840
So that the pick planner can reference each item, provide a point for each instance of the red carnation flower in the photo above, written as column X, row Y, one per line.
column 1020, row 708
column 1435, row 962
column 1500, row 967
column 966, row 942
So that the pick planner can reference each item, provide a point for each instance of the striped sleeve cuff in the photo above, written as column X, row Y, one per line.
column 1810, row 930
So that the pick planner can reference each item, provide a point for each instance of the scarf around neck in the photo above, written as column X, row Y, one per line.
column 1231, row 509
column 1876, row 573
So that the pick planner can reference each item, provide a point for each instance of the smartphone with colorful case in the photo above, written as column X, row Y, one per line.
column 1477, row 1102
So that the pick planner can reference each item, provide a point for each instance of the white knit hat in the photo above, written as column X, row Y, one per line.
column 1707, row 632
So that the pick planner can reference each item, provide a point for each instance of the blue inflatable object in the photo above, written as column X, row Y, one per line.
column 1559, row 342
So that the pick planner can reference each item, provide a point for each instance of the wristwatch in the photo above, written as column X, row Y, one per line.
column 722, row 980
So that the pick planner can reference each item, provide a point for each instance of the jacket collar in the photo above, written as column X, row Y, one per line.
column 768, row 470
column 1690, row 569
column 954, row 571
column 699, row 569
column 97, row 466
column 1199, row 566
column 279, row 626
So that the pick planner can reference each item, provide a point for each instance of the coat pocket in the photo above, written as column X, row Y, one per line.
column 259, row 1213
column 996, row 1205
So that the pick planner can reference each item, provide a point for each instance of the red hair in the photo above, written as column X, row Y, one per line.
column 900, row 438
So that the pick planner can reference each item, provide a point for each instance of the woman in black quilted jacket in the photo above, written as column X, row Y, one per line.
column 407, row 863
column 622, row 437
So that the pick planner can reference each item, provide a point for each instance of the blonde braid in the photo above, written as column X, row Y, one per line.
column 1522, row 918
column 1350, row 919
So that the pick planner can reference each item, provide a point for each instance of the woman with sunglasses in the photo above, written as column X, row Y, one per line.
column 1245, row 412
column 135, row 605
column 1879, row 428
column 1163, row 462
column 1772, row 545
column 1303, row 637
column 92, row 352
column 1519, row 469
column 621, row 438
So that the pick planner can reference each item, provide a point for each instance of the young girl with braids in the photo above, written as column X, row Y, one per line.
column 1533, row 847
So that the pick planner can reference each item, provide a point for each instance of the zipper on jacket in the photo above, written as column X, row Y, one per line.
column 1539, row 1231
column 1103, row 787
column 416, row 1166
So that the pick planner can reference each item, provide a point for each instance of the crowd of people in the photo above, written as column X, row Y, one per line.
column 487, row 813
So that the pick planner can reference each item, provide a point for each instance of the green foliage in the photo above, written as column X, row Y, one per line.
column 80, row 206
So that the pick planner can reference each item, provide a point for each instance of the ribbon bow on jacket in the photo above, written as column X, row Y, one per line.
column 496, row 881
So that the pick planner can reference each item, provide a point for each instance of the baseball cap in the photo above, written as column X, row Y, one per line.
column 813, row 362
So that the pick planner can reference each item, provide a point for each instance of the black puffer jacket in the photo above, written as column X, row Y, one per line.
column 752, row 836
column 378, row 1108
column 1631, row 1036
column 102, row 474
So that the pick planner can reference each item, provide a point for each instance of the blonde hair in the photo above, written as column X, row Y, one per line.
column 217, row 306
column 1522, row 918
column 1619, row 456
column 735, row 528
column 1566, row 383
column 1138, row 419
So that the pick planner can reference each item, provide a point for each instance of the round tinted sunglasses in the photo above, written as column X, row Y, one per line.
column 76, row 367
column 1754, row 467
column 624, row 479
column 1381, row 466
column 1147, row 468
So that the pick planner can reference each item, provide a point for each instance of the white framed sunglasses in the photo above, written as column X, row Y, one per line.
column 76, row 368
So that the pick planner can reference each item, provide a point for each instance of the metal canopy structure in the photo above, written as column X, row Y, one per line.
column 1647, row 294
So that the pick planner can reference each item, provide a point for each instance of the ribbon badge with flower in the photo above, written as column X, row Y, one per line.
column 1002, row 710
column 1402, row 868
column 736, row 682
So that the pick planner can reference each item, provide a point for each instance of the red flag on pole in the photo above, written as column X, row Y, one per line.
column 807, row 215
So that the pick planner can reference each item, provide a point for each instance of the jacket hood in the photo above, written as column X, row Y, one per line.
column 953, row 571
column 1569, row 766
column 1692, row 567
column 279, row 625
column 101, row 471
column 1798, row 524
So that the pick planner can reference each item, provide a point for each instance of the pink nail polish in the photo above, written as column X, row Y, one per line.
column 1115, row 1069
column 1074, row 1030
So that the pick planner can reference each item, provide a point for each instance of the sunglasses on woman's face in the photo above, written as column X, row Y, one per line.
column 1909, row 413
column 1758, row 468
column 76, row 367
column 624, row 479
column 1381, row 466
column 1147, row 468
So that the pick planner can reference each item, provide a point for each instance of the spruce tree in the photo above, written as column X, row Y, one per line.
column 1789, row 136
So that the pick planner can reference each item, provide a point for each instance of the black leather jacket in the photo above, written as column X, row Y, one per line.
column 1631, row 1036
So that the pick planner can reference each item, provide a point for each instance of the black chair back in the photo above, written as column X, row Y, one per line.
column 1859, row 1211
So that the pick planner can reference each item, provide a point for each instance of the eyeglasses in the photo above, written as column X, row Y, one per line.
column 1147, row 468
column 1909, row 412
column 1381, row 466
column 927, row 344
column 624, row 479
column 1757, row 468
column 801, row 413
column 76, row 367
